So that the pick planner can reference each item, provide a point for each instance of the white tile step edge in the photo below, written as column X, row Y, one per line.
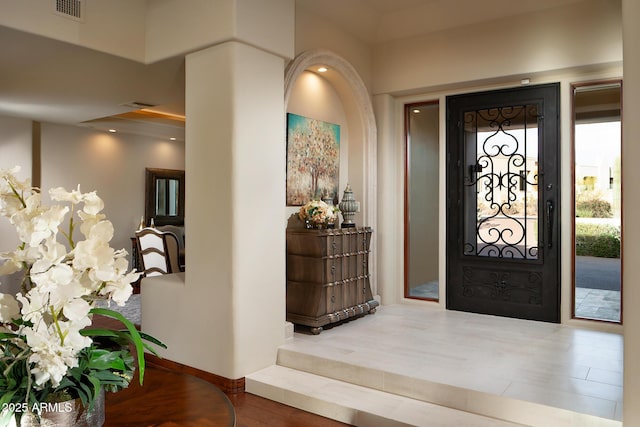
column 356, row 405
column 465, row 400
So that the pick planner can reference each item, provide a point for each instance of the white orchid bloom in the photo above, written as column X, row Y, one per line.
column 9, row 173
column 62, row 297
column 92, row 203
column 9, row 204
column 9, row 308
column 12, row 264
column 46, row 224
column 49, row 280
column 59, row 194
column 89, row 221
column 50, row 252
column 76, row 309
column 51, row 358
column 120, row 290
column 102, row 231
column 10, row 182
column 16, row 260
column 34, row 305
column 92, row 254
column 35, row 225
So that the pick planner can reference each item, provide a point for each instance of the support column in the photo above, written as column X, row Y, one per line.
column 235, row 163
column 227, row 316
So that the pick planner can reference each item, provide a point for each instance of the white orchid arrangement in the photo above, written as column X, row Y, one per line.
column 48, row 353
column 316, row 214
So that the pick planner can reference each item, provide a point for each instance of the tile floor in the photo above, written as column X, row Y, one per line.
column 590, row 303
column 598, row 304
column 556, row 365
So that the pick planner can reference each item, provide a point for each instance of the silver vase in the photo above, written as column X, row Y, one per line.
column 68, row 414
column 348, row 208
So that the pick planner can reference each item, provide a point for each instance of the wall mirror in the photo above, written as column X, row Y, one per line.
column 164, row 196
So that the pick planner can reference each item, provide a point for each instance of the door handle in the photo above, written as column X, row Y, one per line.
column 549, row 218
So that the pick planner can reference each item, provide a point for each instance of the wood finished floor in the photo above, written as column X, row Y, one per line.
column 255, row 411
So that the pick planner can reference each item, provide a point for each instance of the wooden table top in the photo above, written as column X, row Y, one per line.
column 166, row 399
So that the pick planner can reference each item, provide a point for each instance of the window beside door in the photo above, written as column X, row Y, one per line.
column 597, row 199
column 421, row 201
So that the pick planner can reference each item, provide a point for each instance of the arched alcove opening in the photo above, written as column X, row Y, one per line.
column 361, row 125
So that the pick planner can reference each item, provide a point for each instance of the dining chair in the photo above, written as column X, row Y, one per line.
column 179, row 232
column 158, row 251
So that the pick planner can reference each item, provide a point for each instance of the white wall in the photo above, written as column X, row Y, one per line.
column 112, row 27
column 581, row 34
column 112, row 164
column 314, row 32
column 200, row 23
column 15, row 150
column 152, row 30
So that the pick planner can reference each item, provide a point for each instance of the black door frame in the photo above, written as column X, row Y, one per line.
column 488, row 285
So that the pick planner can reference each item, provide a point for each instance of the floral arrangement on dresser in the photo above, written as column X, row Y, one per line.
column 48, row 350
column 318, row 214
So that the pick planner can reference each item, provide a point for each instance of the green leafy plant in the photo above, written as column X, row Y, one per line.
column 591, row 204
column 598, row 240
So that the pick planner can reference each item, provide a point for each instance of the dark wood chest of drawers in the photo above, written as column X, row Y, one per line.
column 328, row 276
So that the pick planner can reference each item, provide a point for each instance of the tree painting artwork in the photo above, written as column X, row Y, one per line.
column 313, row 159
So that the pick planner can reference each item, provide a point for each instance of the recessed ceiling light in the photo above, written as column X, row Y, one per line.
column 173, row 138
column 416, row 111
column 323, row 69
column 112, row 130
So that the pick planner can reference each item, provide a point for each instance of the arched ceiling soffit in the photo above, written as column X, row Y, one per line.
column 358, row 90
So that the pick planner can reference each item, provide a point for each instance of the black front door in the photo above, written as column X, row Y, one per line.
column 503, row 193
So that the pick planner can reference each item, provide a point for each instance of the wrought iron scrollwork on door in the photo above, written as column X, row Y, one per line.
column 501, row 182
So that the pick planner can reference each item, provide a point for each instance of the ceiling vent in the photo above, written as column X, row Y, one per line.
column 72, row 9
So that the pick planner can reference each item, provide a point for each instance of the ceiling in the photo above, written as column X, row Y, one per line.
column 51, row 81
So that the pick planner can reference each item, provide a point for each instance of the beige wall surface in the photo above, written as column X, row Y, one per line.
column 111, row 164
column 584, row 34
column 15, row 149
column 112, row 26
column 148, row 31
column 197, row 24
column 314, row 32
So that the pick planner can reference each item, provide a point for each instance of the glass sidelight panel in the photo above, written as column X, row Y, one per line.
column 597, row 201
column 421, row 201
column 501, row 182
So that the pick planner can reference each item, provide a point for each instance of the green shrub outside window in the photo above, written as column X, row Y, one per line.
column 598, row 240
